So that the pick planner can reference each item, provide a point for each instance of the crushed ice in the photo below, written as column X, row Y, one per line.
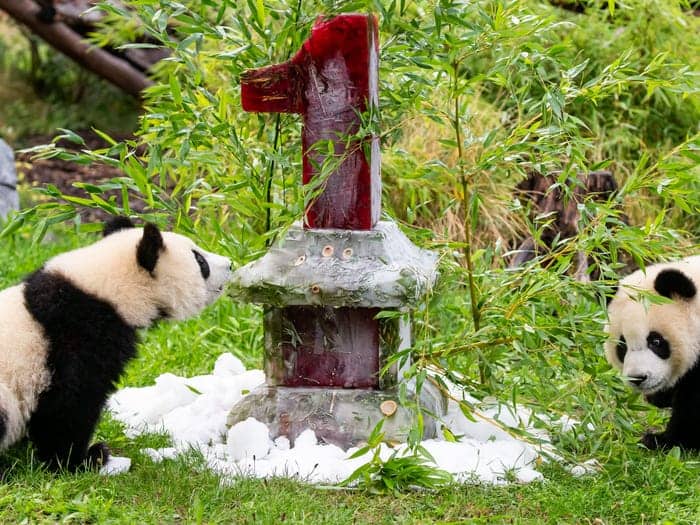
column 193, row 412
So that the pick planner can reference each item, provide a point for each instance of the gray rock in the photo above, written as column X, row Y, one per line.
column 9, row 200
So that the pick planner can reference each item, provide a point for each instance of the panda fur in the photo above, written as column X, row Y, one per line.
column 68, row 330
column 656, row 346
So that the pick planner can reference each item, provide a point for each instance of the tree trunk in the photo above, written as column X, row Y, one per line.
column 563, row 213
column 68, row 42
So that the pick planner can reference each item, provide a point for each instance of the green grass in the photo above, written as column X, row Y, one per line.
column 650, row 488
column 634, row 486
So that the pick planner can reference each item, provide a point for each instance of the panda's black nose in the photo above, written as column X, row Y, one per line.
column 637, row 380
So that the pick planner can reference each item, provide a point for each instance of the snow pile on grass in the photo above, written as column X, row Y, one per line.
column 193, row 412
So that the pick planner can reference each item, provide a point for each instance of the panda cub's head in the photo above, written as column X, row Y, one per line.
column 145, row 274
column 655, row 345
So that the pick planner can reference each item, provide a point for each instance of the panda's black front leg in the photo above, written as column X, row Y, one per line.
column 61, row 431
column 683, row 429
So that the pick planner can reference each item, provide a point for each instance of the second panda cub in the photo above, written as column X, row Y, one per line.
column 68, row 331
column 656, row 346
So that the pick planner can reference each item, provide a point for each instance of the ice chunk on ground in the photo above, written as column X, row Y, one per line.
column 590, row 466
column 282, row 443
column 158, row 455
column 228, row 365
column 115, row 465
column 248, row 439
column 306, row 439
column 145, row 406
column 193, row 412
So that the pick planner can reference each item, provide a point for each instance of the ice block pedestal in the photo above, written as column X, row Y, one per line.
column 324, row 284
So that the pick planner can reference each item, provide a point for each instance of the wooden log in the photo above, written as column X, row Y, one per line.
column 114, row 69
column 77, row 15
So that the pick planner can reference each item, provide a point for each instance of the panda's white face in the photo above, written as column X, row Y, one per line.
column 655, row 345
column 146, row 274
column 188, row 278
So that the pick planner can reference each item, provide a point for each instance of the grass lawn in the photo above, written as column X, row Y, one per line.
column 634, row 486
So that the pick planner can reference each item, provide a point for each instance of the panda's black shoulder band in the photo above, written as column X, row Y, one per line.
column 671, row 282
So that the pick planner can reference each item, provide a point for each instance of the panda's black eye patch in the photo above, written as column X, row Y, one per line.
column 621, row 349
column 658, row 344
column 203, row 264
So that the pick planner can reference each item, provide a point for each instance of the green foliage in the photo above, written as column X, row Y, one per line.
column 401, row 471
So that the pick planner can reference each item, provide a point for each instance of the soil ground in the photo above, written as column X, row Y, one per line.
column 63, row 174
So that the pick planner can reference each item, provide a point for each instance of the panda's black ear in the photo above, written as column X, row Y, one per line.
column 149, row 247
column 674, row 282
column 115, row 224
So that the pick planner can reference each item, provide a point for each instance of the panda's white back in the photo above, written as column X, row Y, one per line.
column 23, row 372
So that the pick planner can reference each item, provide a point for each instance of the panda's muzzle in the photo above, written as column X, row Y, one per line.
column 637, row 380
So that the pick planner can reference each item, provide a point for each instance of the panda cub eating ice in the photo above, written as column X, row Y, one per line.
column 657, row 346
column 68, row 330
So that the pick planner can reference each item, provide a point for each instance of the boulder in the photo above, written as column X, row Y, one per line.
column 9, row 200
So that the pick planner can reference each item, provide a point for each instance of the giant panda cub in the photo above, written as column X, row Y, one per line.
column 657, row 346
column 68, row 330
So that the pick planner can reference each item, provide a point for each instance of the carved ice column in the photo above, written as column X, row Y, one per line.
column 324, row 284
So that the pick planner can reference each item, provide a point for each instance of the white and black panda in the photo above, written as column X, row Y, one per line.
column 657, row 346
column 68, row 330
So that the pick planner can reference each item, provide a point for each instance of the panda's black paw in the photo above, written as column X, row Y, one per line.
column 655, row 441
column 97, row 455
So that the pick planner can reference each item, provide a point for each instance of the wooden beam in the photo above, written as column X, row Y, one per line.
column 113, row 69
